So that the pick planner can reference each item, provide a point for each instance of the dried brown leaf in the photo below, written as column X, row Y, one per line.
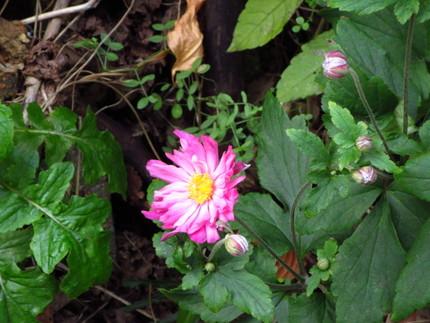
column 290, row 259
column 186, row 39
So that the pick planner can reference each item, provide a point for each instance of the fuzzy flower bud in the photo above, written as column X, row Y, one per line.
column 210, row 267
column 236, row 245
column 323, row 264
column 365, row 175
column 363, row 143
column 335, row 64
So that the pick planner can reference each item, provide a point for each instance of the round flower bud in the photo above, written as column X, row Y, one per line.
column 363, row 143
column 210, row 267
column 323, row 263
column 236, row 245
column 365, row 175
column 335, row 64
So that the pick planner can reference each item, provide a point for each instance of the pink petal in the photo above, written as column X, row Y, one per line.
column 167, row 173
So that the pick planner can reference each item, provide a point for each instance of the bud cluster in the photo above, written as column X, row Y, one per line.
column 365, row 175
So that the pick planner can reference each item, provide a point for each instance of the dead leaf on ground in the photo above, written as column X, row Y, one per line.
column 186, row 39
column 291, row 260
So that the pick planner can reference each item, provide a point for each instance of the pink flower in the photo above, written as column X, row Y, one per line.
column 335, row 64
column 201, row 189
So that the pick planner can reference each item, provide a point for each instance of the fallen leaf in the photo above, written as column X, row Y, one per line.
column 186, row 39
column 290, row 259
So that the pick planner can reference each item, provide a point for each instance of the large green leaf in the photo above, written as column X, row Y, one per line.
column 368, row 265
column 425, row 134
column 14, row 246
column 299, row 79
column 413, row 287
column 259, row 23
column 6, row 131
column 409, row 214
column 266, row 219
column 24, row 294
column 76, row 229
column 246, row 291
column 373, row 43
column 314, row 309
column 192, row 300
column 278, row 155
column 362, row 7
column 415, row 177
column 342, row 213
column 102, row 155
column 24, row 207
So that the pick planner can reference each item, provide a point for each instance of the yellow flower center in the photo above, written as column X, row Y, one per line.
column 201, row 188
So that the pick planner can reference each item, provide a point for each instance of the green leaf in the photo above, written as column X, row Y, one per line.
column 405, row 8
column 102, row 155
column 6, row 131
column 131, row 83
column 381, row 160
column 277, row 154
column 23, row 207
column 258, row 24
column 362, row 7
column 402, row 145
column 321, row 196
column 413, row 287
column 409, row 215
column 14, row 246
column 24, row 294
column 342, row 213
column 266, row 219
column 311, row 145
column 424, row 13
column 361, row 282
column 192, row 301
column 315, row 309
column 425, row 134
column 246, row 291
column 344, row 121
column 415, row 178
column 262, row 265
column 298, row 80
column 372, row 41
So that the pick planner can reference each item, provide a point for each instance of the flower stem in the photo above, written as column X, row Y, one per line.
column 406, row 72
column 215, row 249
column 368, row 109
column 293, row 227
column 270, row 250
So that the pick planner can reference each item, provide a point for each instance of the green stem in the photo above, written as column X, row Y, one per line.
column 270, row 250
column 293, row 228
column 406, row 72
column 368, row 109
column 215, row 249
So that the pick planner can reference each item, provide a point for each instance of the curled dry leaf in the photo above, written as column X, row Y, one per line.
column 185, row 40
column 291, row 260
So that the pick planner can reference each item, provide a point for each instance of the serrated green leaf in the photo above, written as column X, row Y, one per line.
column 298, row 80
column 361, row 7
column 6, row 131
column 278, row 155
column 342, row 213
column 413, row 287
column 409, row 215
column 266, row 219
column 425, row 134
column 258, row 24
column 262, row 265
column 381, row 160
column 424, row 13
column 311, row 145
column 321, row 196
column 14, row 246
column 102, row 155
column 363, row 285
column 415, row 178
column 372, row 41
column 344, row 121
column 347, row 156
column 24, row 294
column 403, row 146
column 23, row 207
column 193, row 302
column 246, row 291
column 404, row 9
column 316, row 309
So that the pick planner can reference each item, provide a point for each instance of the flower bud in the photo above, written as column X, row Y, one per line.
column 210, row 267
column 335, row 64
column 323, row 264
column 365, row 175
column 363, row 143
column 236, row 245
